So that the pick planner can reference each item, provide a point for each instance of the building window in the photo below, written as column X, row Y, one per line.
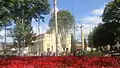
column 48, row 49
column 67, row 49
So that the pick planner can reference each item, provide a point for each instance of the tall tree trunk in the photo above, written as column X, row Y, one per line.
column 19, row 46
column 63, row 41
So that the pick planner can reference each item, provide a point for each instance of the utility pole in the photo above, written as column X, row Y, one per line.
column 82, row 37
column 74, row 29
column 4, row 47
column 56, row 25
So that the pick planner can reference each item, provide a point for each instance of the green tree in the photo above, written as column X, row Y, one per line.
column 108, row 32
column 101, row 36
column 90, row 39
column 23, row 37
column 22, row 12
column 111, row 18
column 104, row 36
column 5, row 17
column 73, row 44
column 65, row 24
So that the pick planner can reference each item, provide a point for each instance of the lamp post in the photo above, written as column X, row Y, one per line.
column 74, row 25
column 4, row 47
column 56, row 25
column 38, row 43
column 82, row 37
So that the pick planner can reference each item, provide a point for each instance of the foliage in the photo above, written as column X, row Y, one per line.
column 22, row 9
column 109, row 32
column 111, row 17
column 73, row 44
column 94, row 53
column 90, row 39
column 111, row 12
column 4, row 13
column 25, row 36
column 22, row 12
column 65, row 21
column 28, row 9
column 65, row 24
column 101, row 36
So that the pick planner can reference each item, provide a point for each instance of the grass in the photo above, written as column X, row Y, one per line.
column 94, row 53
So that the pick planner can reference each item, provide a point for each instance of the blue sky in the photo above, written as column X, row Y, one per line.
column 86, row 12
column 81, row 7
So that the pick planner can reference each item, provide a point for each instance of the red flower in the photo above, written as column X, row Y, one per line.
column 59, row 62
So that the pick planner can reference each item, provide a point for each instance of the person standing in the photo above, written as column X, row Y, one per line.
column 77, row 52
column 67, row 52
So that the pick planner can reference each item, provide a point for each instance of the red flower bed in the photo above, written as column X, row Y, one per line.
column 60, row 62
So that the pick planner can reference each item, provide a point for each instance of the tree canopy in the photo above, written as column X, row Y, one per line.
column 4, row 13
column 111, row 12
column 107, row 33
column 101, row 36
column 22, row 12
column 19, row 9
column 111, row 18
column 65, row 23
column 73, row 44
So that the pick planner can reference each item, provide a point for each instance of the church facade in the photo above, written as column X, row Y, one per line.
column 47, row 42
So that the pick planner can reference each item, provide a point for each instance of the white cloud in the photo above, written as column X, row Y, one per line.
column 91, row 20
column 43, row 29
column 88, row 24
column 98, row 11
column 87, row 28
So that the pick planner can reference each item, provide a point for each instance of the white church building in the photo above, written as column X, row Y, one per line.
column 47, row 42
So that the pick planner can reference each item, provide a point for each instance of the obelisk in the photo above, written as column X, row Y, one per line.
column 56, row 25
column 82, row 37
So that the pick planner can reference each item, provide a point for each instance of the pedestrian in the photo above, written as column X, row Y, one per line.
column 77, row 52
column 49, row 53
column 67, row 52
column 71, row 54
column 53, row 54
